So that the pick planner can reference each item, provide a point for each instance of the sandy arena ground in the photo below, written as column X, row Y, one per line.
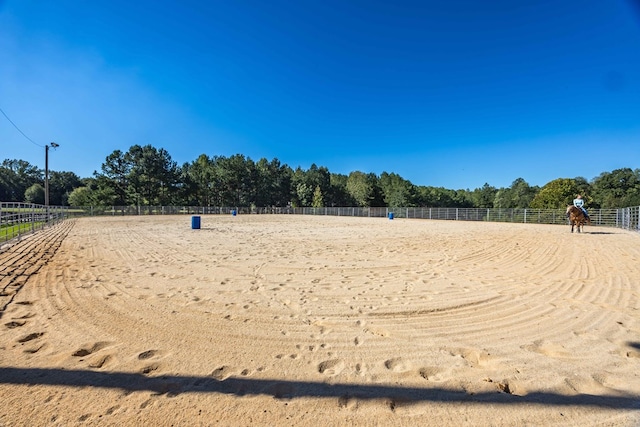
column 319, row 321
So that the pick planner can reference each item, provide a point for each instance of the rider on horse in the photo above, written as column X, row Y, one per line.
column 579, row 203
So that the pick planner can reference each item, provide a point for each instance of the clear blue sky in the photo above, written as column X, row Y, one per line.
column 446, row 93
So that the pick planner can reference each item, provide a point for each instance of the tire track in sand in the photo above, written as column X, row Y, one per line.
column 23, row 260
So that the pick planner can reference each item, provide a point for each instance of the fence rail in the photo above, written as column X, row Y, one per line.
column 629, row 218
column 20, row 219
column 626, row 218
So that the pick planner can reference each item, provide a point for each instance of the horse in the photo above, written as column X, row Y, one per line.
column 577, row 218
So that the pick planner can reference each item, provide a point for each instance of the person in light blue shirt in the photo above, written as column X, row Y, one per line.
column 578, row 202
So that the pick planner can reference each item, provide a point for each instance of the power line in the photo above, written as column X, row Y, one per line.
column 14, row 125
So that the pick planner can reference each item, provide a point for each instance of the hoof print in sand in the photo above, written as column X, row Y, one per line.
column 547, row 348
column 14, row 324
column 331, row 367
column 87, row 350
column 30, row 337
column 509, row 387
column 504, row 387
column 222, row 373
column 99, row 363
column 149, row 368
column 347, row 402
column 397, row 365
column 34, row 350
column 147, row 354
column 432, row 373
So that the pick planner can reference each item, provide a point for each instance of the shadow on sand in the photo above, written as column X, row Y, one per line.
column 635, row 345
column 282, row 389
column 599, row 232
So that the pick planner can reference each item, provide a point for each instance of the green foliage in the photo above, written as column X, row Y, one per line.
column 339, row 195
column 114, row 179
column 61, row 184
column 397, row 191
column 620, row 188
column 273, row 183
column 200, row 179
column 147, row 176
column 557, row 194
column 364, row 189
column 304, row 194
column 15, row 177
column 436, row 197
column 518, row 195
column 317, row 198
column 152, row 175
column 142, row 176
column 81, row 196
column 304, row 184
column 484, row 197
column 440, row 197
column 35, row 194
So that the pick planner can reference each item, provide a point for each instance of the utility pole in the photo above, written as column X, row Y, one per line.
column 46, row 172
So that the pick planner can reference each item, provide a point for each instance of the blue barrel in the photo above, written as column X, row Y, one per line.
column 390, row 215
column 195, row 222
column 233, row 212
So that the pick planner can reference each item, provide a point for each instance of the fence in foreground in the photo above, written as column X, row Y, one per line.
column 629, row 218
column 626, row 218
column 20, row 219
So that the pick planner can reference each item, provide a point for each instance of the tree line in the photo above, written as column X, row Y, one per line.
column 145, row 175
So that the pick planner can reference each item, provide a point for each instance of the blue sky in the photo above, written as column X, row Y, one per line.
column 445, row 93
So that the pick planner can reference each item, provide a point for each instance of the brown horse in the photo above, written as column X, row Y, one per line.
column 577, row 218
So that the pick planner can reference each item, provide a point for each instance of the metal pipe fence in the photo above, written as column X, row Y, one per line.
column 20, row 219
column 626, row 218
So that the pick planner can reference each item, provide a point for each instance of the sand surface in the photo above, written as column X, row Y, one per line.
column 319, row 321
